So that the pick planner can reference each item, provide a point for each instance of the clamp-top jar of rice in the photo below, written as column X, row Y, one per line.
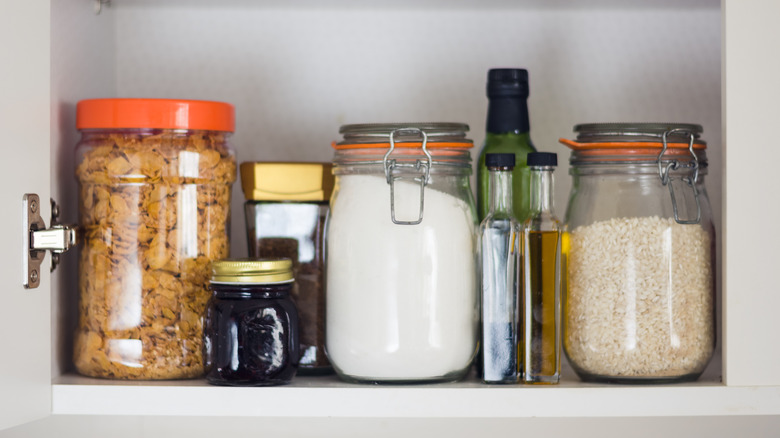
column 640, row 295
column 402, row 303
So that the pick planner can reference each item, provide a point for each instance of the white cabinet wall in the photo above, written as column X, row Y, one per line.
column 295, row 72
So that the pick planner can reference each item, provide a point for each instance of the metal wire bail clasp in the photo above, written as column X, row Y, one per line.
column 690, row 180
column 421, row 166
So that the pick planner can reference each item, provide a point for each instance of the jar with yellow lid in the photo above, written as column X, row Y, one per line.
column 286, row 208
column 251, row 327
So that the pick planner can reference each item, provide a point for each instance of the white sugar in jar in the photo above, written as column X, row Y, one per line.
column 402, row 303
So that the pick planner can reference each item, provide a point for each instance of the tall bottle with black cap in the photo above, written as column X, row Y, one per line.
column 508, row 130
column 541, row 264
column 499, row 247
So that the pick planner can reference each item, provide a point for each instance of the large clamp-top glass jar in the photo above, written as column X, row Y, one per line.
column 401, row 275
column 640, row 298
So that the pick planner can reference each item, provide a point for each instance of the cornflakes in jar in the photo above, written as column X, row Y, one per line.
column 155, row 179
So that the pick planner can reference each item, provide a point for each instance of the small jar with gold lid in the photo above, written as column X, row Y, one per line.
column 286, row 209
column 251, row 327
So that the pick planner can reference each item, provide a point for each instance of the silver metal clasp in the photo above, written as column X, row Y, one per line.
column 689, row 180
column 421, row 167
column 38, row 239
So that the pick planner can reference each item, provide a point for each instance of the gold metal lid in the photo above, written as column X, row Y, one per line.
column 252, row 271
column 277, row 181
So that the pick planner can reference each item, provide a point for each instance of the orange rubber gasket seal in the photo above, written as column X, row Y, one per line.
column 628, row 146
column 409, row 145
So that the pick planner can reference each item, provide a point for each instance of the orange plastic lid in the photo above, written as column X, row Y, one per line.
column 155, row 113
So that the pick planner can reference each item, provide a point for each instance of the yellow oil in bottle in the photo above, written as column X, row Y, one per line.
column 540, row 308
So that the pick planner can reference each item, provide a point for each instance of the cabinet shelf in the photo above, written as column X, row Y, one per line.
column 329, row 397
column 295, row 73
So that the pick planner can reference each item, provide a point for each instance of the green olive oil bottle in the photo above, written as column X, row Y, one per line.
column 508, row 130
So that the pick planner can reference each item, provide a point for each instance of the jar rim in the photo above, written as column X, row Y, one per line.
column 633, row 154
column 256, row 271
column 629, row 132
column 628, row 147
column 441, row 158
column 406, row 145
column 432, row 128
column 430, row 145
column 579, row 161
column 404, row 135
column 245, row 283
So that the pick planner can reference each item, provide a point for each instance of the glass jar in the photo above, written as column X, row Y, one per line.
column 286, row 207
column 402, row 303
column 640, row 295
column 251, row 329
column 155, row 178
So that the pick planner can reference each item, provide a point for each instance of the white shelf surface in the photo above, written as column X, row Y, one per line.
column 329, row 397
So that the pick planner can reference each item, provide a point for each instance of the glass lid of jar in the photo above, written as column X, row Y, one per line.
column 639, row 132
column 430, row 145
column 636, row 142
column 410, row 151
column 673, row 150
column 437, row 134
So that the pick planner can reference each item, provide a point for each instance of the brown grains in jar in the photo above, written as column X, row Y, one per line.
column 154, row 208
column 308, row 292
column 286, row 209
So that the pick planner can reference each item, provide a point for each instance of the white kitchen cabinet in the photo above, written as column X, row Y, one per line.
column 295, row 72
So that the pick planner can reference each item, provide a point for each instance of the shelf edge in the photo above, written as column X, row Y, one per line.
column 417, row 402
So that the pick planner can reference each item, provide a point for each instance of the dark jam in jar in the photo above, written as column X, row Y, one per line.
column 251, row 327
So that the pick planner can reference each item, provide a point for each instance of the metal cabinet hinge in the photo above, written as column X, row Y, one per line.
column 38, row 239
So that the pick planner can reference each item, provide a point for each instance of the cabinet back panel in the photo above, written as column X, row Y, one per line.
column 296, row 74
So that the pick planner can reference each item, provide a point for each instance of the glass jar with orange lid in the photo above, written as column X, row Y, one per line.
column 640, row 295
column 402, row 302
column 155, row 179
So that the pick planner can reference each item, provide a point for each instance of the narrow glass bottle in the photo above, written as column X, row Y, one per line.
column 508, row 130
column 540, row 277
column 499, row 244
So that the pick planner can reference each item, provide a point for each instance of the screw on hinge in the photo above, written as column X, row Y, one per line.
column 99, row 5
column 55, row 213
column 55, row 261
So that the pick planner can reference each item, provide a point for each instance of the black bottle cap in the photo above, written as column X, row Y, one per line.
column 500, row 160
column 542, row 159
column 507, row 82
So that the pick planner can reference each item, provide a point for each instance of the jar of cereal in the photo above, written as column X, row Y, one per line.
column 155, row 178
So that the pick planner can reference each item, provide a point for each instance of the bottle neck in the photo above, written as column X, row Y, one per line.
column 541, row 190
column 500, row 191
column 508, row 114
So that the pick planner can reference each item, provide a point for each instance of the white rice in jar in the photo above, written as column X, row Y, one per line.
column 640, row 298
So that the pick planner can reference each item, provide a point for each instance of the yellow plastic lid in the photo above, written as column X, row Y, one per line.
column 284, row 181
